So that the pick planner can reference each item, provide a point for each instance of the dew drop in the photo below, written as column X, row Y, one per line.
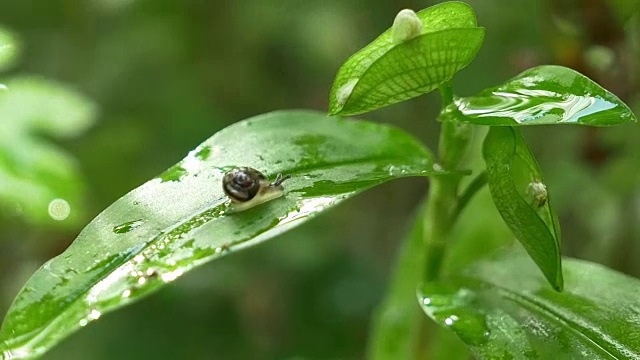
column 139, row 258
column 59, row 209
column 94, row 314
column 450, row 320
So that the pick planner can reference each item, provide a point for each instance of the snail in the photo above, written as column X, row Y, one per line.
column 247, row 187
column 538, row 193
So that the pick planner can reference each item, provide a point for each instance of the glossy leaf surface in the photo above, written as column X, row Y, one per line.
column 182, row 219
column 520, row 195
column 386, row 72
column 35, row 173
column 542, row 95
column 503, row 309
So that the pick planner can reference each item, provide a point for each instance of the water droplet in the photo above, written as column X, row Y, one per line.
column 534, row 105
column 458, row 310
column 391, row 170
column 83, row 322
column 450, row 320
column 128, row 226
column 172, row 275
column 343, row 93
column 126, row 293
column 94, row 314
column 59, row 209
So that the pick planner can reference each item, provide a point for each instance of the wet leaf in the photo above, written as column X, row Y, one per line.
column 503, row 309
column 182, row 219
column 34, row 173
column 520, row 195
column 542, row 95
column 386, row 71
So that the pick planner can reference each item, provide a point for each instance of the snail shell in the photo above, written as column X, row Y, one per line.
column 248, row 187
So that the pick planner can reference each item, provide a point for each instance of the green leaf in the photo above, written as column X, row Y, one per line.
column 182, row 219
column 386, row 72
column 399, row 331
column 34, row 173
column 542, row 95
column 9, row 49
column 520, row 195
column 395, row 333
column 502, row 309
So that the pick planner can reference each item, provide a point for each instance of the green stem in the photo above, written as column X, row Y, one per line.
column 472, row 189
column 440, row 216
column 446, row 94
column 443, row 193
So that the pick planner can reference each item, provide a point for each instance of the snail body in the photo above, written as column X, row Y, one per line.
column 247, row 187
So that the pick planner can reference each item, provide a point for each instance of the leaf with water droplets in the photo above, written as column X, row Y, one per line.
column 503, row 309
column 182, row 219
column 518, row 191
column 403, row 63
column 542, row 95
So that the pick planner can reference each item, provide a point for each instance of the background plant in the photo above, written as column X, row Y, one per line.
column 369, row 228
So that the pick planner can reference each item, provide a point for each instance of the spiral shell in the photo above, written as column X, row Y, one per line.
column 248, row 187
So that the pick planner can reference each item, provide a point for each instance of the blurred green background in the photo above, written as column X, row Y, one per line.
column 105, row 94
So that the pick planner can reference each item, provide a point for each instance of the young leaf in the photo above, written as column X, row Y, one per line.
column 182, row 219
column 388, row 71
column 518, row 191
column 542, row 95
column 502, row 309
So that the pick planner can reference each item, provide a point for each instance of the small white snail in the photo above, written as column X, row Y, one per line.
column 248, row 187
column 538, row 193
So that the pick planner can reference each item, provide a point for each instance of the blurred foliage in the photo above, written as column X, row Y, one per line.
column 166, row 75
column 33, row 172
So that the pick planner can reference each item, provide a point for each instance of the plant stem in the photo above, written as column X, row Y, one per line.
column 443, row 193
column 472, row 189
column 440, row 216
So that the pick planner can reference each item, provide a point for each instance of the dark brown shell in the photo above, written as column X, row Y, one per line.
column 243, row 183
